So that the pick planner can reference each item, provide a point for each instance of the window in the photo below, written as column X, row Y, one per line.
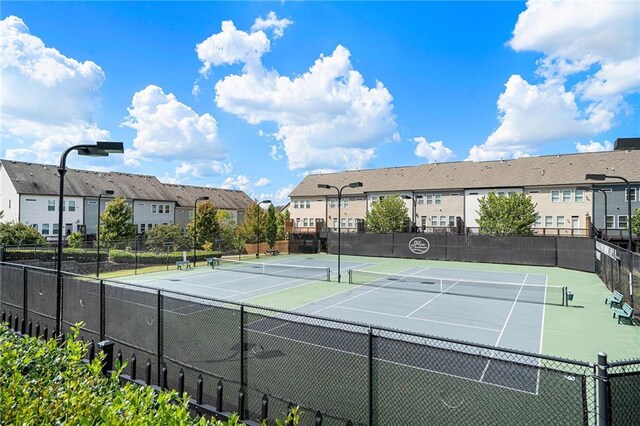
column 153, row 208
column 191, row 214
column 548, row 221
column 72, row 206
column 9, row 203
column 343, row 222
column 611, row 222
column 420, row 201
column 434, row 198
column 333, row 202
column 566, row 195
column 434, row 220
column 142, row 228
column 295, row 204
column 51, row 206
column 305, row 222
column 350, row 222
column 538, row 223
column 45, row 229
column 534, row 192
column 307, row 204
column 560, row 221
column 55, row 229
column 335, row 222
column 555, row 196
column 500, row 193
column 443, row 221
column 579, row 196
column 452, row 221
column 622, row 222
column 166, row 208
column 631, row 193
column 161, row 208
column 149, row 226
column 424, row 221
column 35, row 226
column 345, row 203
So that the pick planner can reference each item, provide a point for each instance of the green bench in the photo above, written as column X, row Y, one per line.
column 626, row 311
column 181, row 263
column 614, row 299
column 211, row 261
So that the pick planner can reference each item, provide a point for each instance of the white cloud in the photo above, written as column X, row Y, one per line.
column 326, row 117
column 170, row 130
column 271, row 21
column 591, row 62
column 594, row 146
column 240, row 182
column 47, row 100
column 432, row 151
column 199, row 169
column 263, row 181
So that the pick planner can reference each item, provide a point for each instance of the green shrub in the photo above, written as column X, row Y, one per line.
column 150, row 258
column 42, row 382
column 49, row 254
column 75, row 240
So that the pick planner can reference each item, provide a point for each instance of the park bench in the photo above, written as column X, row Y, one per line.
column 273, row 252
column 614, row 299
column 212, row 261
column 626, row 311
column 181, row 263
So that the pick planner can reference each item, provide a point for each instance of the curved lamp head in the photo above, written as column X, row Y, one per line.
column 203, row 198
column 595, row 176
column 355, row 185
column 324, row 186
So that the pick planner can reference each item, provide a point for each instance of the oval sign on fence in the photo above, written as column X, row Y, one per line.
column 419, row 245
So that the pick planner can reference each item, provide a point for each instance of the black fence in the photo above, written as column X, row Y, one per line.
column 572, row 253
column 346, row 371
column 619, row 269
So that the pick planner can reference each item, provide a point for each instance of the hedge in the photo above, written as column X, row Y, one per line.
column 48, row 255
column 43, row 383
column 151, row 258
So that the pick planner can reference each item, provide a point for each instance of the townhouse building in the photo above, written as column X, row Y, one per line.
column 442, row 196
column 29, row 194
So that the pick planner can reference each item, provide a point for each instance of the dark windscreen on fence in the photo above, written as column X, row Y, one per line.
column 619, row 269
column 574, row 253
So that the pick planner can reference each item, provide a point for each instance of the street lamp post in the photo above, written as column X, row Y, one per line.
column 351, row 185
column 195, row 223
column 593, row 176
column 588, row 188
column 100, row 149
column 259, row 208
column 105, row 192
column 414, row 213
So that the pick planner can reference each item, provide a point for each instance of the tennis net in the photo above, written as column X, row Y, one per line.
column 315, row 273
column 531, row 293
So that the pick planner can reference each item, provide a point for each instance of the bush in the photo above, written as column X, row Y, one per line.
column 75, row 240
column 44, row 383
column 150, row 258
column 49, row 254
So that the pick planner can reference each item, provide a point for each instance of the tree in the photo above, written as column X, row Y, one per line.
column 116, row 222
column 281, row 219
column 75, row 240
column 15, row 234
column 271, row 226
column 206, row 225
column 635, row 222
column 250, row 225
column 227, row 228
column 514, row 214
column 387, row 215
column 160, row 234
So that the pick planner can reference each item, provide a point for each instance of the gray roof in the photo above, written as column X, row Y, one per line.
column 186, row 195
column 43, row 179
column 550, row 170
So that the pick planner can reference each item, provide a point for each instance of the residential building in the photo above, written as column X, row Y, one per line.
column 438, row 196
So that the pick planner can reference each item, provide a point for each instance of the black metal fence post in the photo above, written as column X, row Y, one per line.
column 106, row 346
column 103, row 312
column 25, row 295
column 370, row 376
column 604, row 397
column 242, row 353
column 159, row 333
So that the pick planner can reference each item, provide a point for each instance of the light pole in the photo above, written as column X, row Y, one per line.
column 100, row 149
column 195, row 228
column 414, row 214
column 593, row 176
column 351, row 185
column 260, row 208
column 588, row 188
column 105, row 192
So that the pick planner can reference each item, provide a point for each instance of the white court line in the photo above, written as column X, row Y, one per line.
column 544, row 308
column 431, row 300
column 504, row 327
column 361, row 294
column 418, row 319
column 305, row 282
column 388, row 361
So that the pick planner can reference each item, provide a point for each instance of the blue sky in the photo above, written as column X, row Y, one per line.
column 254, row 95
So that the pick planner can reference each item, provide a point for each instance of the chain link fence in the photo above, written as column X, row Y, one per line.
column 619, row 269
column 347, row 371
